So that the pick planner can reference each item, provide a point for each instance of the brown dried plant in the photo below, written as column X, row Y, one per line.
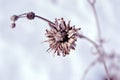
column 62, row 37
column 103, row 55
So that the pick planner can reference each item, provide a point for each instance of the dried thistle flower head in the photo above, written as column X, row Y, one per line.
column 62, row 37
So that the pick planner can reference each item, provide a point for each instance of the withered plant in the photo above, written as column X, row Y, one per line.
column 62, row 37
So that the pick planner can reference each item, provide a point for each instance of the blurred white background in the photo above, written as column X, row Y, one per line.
column 24, row 57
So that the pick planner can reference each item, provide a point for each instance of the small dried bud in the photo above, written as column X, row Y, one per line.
column 30, row 15
column 13, row 25
column 14, row 18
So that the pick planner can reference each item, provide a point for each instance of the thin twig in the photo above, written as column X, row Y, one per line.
column 100, row 51
column 44, row 19
column 92, row 3
column 89, row 67
column 30, row 16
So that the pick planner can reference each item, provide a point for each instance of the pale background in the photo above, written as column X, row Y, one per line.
column 24, row 57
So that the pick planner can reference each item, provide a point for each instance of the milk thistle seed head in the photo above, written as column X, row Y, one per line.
column 61, row 36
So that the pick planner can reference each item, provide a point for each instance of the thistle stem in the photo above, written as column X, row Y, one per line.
column 92, row 3
column 100, row 52
column 31, row 15
column 44, row 19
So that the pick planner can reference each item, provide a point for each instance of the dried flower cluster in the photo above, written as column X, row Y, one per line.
column 29, row 16
column 62, row 37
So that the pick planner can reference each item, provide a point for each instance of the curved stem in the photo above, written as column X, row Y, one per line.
column 39, row 17
column 96, row 19
column 44, row 19
column 97, row 22
column 30, row 16
column 101, row 53
column 91, row 41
